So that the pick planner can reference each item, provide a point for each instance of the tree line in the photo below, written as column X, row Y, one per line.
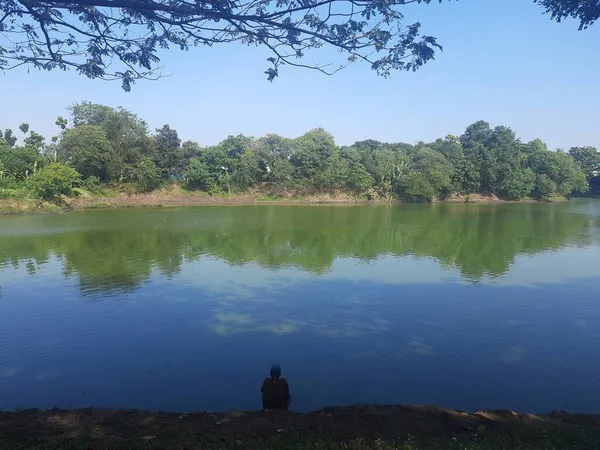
column 103, row 146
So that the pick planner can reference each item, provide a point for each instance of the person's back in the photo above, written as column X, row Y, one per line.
column 276, row 391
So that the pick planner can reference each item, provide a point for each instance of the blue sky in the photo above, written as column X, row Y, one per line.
column 503, row 62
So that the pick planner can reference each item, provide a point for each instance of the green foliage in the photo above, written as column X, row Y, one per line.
column 518, row 184
column 359, row 180
column 145, row 175
column 53, row 181
column 588, row 159
column 10, row 183
column 8, row 137
column 198, row 176
column 587, row 12
column 87, row 149
column 283, row 173
column 11, row 188
column 34, row 141
column 246, row 172
column 90, row 36
column 310, row 155
column 114, row 142
column 19, row 162
column 429, row 176
column 93, row 185
column 115, row 146
column 544, row 187
column 168, row 155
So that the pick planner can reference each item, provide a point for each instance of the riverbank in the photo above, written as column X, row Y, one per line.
column 353, row 427
column 176, row 197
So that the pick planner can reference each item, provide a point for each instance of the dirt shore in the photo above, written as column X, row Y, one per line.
column 179, row 197
column 353, row 427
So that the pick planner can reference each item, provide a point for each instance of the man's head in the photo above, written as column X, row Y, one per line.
column 275, row 371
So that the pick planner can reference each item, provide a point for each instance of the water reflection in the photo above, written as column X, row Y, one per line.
column 117, row 251
column 456, row 345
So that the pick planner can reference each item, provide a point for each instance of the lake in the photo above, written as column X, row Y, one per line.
column 464, row 306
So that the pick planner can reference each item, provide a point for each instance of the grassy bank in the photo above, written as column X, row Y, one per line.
column 354, row 427
column 175, row 196
column 28, row 206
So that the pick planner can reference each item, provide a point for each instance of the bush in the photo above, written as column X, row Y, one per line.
column 11, row 183
column 198, row 177
column 544, row 188
column 92, row 185
column 52, row 181
column 146, row 176
column 13, row 194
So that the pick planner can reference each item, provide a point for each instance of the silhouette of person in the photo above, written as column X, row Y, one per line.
column 276, row 391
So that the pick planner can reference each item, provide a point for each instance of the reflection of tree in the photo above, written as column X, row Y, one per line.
column 478, row 240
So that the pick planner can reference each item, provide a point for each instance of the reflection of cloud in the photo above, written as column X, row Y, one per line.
column 420, row 348
column 9, row 371
column 514, row 355
column 230, row 323
column 52, row 372
column 285, row 328
column 235, row 284
column 234, row 318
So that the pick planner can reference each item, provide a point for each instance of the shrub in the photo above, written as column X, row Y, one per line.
column 13, row 194
column 52, row 181
column 146, row 176
column 92, row 185
column 10, row 183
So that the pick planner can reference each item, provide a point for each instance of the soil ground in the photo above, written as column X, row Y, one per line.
column 353, row 427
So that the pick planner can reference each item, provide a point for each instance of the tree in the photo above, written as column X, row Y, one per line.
column 24, row 127
column 167, row 145
column 246, row 171
column 544, row 187
column 35, row 141
column 199, row 177
column 210, row 171
column 465, row 177
column 92, row 36
column 126, row 132
column 586, row 11
column 359, row 180
column 429, row 176
column 20, row 162
column 187, row 151
column 560, row 169
column 386, row 165
column 476, row 133
column 52, row 181
column 9, row 138
column 588, row 159
column 283, row 173
column 61, row 122
column 518, row 184
column 87, row 149
column 145, row 175
column 311, row 152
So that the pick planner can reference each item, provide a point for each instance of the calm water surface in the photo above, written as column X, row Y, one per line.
column 465, row 306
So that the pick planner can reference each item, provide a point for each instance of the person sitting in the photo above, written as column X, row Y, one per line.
column 276, row 391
